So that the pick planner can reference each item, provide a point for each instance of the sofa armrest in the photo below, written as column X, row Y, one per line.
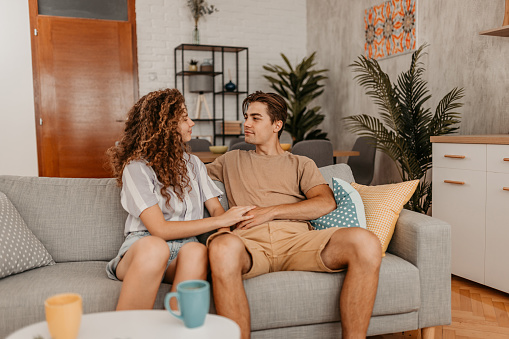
column 426, row 243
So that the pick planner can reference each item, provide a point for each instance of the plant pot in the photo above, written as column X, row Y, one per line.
column 193, row 68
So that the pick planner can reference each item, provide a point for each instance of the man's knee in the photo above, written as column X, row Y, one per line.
column 225, row 251
column 360, row 245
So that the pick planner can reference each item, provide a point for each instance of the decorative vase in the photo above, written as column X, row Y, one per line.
column 230, row 87
column 193, row 68
column 196, row 35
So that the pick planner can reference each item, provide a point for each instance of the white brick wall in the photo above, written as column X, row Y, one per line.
column 266, row 27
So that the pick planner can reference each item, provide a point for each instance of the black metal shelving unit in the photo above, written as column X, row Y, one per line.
column 218, row 54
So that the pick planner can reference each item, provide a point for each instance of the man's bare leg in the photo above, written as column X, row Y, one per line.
column 359, row 250
column 229, row 259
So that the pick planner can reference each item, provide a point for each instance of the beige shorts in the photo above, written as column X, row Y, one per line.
column 283, row 246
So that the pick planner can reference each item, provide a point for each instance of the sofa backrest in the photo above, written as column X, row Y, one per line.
column 75, row 219
column 82, row 219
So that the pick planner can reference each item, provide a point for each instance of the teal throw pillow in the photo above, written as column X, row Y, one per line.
column 350, row 210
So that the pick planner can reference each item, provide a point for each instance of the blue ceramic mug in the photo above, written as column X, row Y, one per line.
column 193, row 298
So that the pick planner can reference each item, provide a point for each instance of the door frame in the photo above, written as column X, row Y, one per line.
column 33, row 6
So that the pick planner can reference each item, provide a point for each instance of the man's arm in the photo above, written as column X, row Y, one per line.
column 320, row 201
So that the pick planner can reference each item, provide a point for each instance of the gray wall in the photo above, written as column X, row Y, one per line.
column 457, row 57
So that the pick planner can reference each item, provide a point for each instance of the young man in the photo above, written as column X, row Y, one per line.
column 287, row 190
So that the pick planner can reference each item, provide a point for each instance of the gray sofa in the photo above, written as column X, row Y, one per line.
column 81, row 221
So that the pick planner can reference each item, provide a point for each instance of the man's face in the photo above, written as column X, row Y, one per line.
column 257, row 127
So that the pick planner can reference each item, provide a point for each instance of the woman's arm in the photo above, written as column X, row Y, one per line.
column 216, row 209
column 155, row 223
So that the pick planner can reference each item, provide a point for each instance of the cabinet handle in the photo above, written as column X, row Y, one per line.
column 506, row 159
column 506, row 188
column 454, row 182
column 454, row 156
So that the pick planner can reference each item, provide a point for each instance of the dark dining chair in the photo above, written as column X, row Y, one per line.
column 236, row 140
column 199, row 145
column 363, row 166
column 243, row 146
column 320, row 151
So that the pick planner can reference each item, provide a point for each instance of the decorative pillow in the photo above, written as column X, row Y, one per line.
column 20, row 250
column 383, row 204
column 350, row 210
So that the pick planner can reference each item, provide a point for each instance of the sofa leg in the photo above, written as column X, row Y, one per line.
column 428, row 333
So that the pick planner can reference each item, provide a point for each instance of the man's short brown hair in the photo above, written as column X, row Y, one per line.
column 276, row 106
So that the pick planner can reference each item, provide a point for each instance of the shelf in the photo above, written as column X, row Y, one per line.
column 230, row 93
column 211, row 119
column 199, row 73
column 190, row 47
column 502, row 31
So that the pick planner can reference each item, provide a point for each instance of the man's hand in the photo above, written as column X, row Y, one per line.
column 260, row 215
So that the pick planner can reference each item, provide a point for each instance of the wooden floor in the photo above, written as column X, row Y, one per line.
column 477, row 312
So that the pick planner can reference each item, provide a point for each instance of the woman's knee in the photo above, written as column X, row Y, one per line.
column 151, row 252
column 193, row 251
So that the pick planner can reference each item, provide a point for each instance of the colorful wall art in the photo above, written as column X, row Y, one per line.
column 390, row 28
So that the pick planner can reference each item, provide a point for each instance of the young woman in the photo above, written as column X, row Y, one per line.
column 164, row 189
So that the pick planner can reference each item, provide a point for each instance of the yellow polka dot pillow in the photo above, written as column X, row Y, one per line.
column 382, row 205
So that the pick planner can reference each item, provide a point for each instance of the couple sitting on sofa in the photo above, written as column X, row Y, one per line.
column 271, row 193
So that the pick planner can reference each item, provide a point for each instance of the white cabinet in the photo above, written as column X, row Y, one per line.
column 471, row 192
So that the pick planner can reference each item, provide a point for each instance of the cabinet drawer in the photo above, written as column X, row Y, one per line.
column 461, row 156
column 497, row 231
column 498, row 158
column 463, row 207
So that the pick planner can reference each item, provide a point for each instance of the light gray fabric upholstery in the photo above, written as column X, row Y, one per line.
column 382, row 324
column 82, row 220
column 426, row 243
column 24, row 305
column 315, row 296
column 341, row 171
column 75, row 219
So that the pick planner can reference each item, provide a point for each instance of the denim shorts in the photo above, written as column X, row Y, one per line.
column 173, row 245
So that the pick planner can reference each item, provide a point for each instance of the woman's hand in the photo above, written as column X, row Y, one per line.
column 235, row 215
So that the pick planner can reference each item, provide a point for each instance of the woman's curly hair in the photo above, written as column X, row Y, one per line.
column 152, row 134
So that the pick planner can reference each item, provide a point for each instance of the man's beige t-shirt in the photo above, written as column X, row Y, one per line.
column 265, row 180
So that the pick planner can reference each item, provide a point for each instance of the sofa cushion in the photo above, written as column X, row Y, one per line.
column 20, row 250
column 23, row 295
column 75, row 219
column 383, row 204
column 314, row 297
column 341, row 171
column 349, row 211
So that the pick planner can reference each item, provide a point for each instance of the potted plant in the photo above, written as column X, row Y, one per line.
column 198, row 9
column 403, row 132
column 299, row 86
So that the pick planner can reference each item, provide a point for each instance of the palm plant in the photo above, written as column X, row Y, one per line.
column 405, row 127
column 299, row 86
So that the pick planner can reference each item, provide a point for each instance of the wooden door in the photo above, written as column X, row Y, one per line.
column 85, row 80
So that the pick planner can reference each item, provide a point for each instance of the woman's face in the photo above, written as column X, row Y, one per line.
column 185, row 125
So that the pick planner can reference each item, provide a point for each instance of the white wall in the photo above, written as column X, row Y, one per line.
column 266, row 27
column 457, row 56
column 18, row 150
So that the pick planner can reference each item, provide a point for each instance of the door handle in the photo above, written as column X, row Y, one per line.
column 454, row 182
column 454, row 156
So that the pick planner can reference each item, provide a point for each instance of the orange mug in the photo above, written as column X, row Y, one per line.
column 63, row 315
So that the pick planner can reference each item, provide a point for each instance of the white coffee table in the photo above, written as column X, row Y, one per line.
column 147, row 324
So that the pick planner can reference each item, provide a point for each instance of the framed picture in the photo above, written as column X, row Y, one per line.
column 390, row 29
